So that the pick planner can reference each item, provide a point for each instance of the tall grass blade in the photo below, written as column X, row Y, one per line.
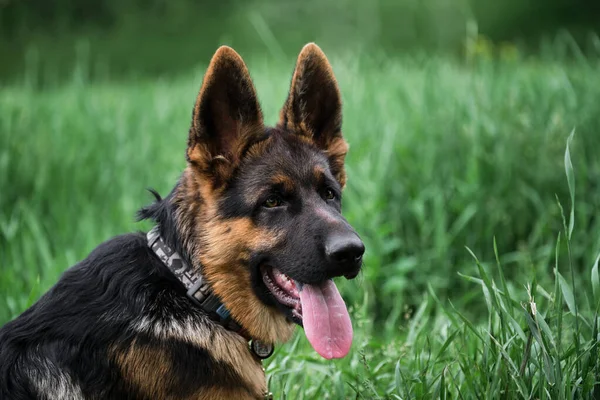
column 567, row 293
column 570, row 182
column 596, row 282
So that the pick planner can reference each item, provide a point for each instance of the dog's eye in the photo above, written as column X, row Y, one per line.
column 329, row 194
column 273, row 201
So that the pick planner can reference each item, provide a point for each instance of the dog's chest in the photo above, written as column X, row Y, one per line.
column 190, row 359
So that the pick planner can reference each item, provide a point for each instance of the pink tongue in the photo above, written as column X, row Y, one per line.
column 326, row 321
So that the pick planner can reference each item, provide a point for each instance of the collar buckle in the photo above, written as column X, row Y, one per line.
column 261, row 349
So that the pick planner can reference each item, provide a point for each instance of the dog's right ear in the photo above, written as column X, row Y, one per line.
column 227, row 118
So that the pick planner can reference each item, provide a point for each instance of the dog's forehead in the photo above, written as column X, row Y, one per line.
column 286, row 154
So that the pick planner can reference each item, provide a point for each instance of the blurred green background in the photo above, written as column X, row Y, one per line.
column 153, row 37
column 457, row 113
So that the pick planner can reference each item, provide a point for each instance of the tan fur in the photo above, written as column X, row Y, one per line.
column 319, row 173
column 190, row 201
column 227, row 394
column 336, row 152
column 231, row 348
column 285, row 181
column 258, row 149
column 222, row 165
column 142, row 365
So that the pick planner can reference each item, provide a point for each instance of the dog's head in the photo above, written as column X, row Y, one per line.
column 260, row 208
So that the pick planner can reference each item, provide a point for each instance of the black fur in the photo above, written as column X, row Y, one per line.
column 162, row 212
column 94, row 306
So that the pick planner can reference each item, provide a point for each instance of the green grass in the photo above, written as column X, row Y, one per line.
column 447, row 163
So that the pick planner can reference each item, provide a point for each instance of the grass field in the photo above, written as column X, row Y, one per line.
column 449, row 164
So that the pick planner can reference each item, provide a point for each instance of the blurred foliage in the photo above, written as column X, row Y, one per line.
column 159, row 36
column 398, row 21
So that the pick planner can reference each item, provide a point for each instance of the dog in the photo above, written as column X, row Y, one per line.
column 244, row 248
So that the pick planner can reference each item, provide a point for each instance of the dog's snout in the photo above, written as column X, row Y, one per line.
column 345, row 250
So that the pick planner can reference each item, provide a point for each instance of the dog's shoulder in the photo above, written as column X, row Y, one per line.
column 115, row 279
column 77, row 319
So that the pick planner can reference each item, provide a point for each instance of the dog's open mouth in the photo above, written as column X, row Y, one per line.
column 319, row 307
column 284, row 289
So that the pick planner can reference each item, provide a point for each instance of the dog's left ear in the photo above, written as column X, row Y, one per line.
column 313, row 108
column 227, row 118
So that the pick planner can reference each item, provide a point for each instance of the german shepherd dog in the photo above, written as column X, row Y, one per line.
column 245, row 246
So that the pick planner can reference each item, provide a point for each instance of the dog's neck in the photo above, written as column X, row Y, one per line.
column 199, row 292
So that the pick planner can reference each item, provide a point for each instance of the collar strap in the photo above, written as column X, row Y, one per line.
column 198, row 290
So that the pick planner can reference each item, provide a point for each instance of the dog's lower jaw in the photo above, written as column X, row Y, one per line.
column 232, row 284
column 262, row 322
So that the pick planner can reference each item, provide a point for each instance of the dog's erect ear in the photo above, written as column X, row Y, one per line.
column 314, row 107
column 227, row 118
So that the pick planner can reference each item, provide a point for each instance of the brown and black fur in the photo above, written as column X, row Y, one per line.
column 118, row 325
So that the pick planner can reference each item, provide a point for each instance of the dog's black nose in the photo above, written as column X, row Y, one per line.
column 346, row 250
